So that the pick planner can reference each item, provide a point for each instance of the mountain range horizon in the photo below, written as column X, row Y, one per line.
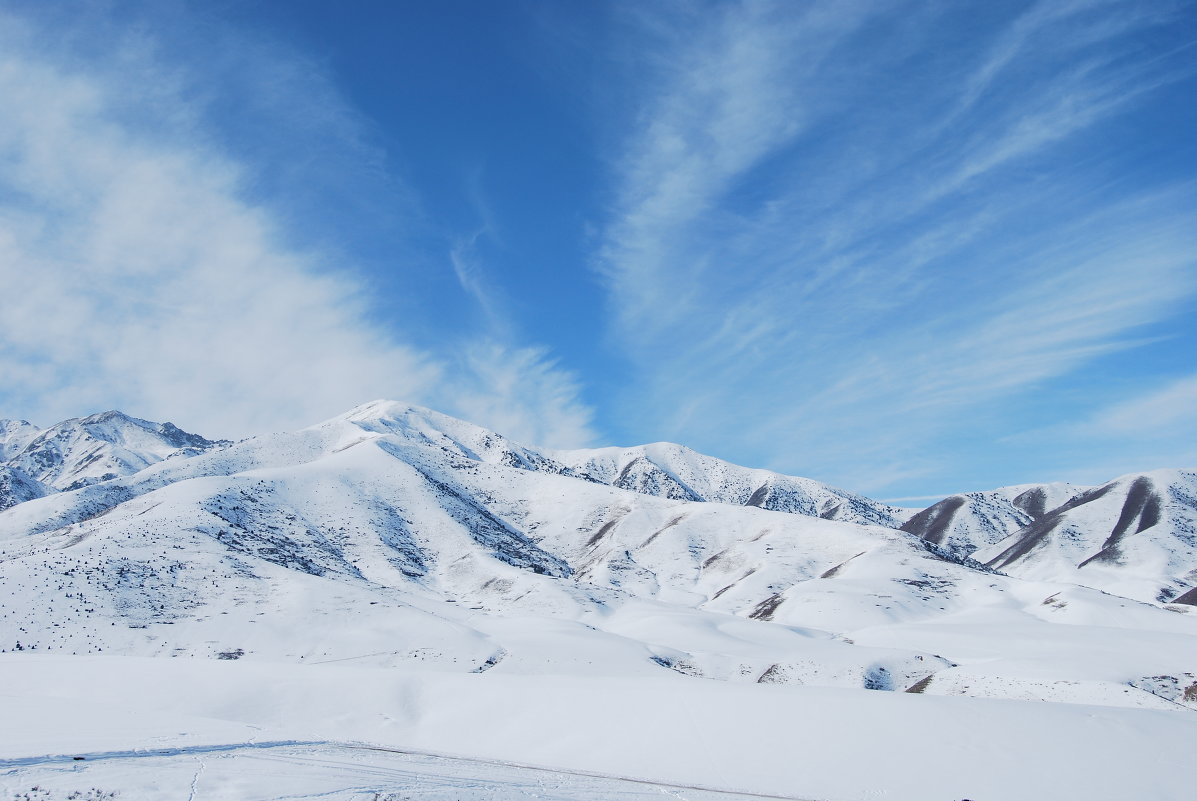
column 499, row 582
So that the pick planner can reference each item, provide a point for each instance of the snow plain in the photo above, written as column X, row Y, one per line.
column 792, row 742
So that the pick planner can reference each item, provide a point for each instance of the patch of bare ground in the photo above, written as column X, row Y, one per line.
column 765, row 609
column 920, row 685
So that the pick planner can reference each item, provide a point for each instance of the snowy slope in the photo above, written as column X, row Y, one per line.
column 1134, row 536
column 17, row 487
column 14, row 436
column 673, row 471
column 963, row 523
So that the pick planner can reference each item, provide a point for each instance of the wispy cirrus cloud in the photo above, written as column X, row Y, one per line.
column 146, row 266
column 1159, row 411
column 724, row 104
column 521, row 391
column 847, row 234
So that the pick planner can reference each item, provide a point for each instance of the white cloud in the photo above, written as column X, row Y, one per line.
column 138, row 274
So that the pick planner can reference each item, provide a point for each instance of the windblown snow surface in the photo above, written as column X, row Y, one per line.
column 397, row 604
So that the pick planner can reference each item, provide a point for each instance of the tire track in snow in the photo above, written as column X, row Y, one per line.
column 661, row 785
column 138, row 753
column 666, row 788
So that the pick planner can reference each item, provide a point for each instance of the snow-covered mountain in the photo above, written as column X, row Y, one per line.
column 393, row 535
column 961, row 524
column 1134, row 536
column 83, row 451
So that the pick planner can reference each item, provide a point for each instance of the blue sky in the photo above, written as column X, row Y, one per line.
column 906, row 248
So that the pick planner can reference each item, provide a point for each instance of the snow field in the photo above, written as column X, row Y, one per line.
column 805, row 742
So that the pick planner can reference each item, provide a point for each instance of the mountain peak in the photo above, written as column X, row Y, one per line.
column 105, row 417
column 382, row 407
column 384, row 411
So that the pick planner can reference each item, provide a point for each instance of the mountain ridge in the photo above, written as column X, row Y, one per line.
column 965, row 528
